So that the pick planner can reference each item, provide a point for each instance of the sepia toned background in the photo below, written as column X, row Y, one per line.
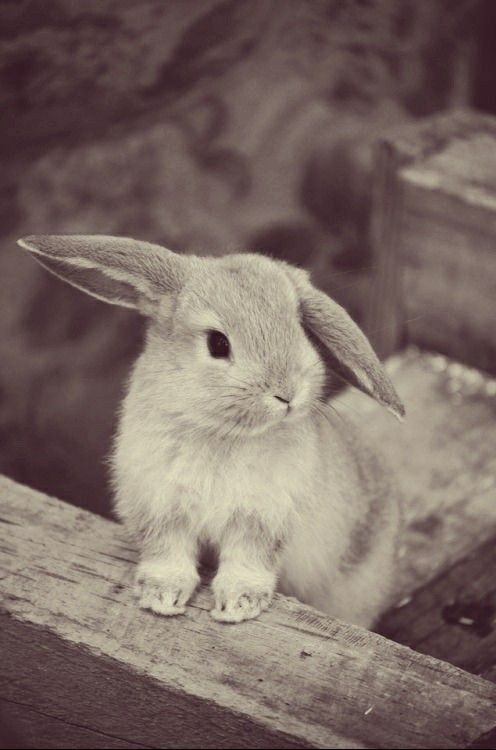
column 207, row 126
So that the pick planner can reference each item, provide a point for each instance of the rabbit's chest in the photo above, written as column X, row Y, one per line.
column 265, row 483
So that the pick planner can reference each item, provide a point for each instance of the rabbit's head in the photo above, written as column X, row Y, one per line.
column 238, row 343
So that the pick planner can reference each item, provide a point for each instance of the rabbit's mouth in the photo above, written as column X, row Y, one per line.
column 282, row 415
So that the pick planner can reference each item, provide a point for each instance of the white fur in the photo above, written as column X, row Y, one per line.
column 297, row 482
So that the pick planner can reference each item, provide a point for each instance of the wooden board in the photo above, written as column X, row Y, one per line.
column 43, row 731
column 76, row 649
column 434, row 230
column 444, row 458
column 454, row 617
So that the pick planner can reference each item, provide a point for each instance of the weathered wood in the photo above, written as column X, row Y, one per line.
column 39, row 730
column 444, row 458
column 76, row 648
column 126, row 706
column 441, row 213
column 454, row 617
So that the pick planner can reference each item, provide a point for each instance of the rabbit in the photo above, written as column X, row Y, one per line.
column 226, row 441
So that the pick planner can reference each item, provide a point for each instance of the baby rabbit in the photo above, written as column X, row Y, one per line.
column 225, row 439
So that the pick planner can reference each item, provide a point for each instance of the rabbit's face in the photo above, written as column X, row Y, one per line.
column 241, row 361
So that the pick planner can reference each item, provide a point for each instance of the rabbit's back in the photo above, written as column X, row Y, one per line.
column 341, row 555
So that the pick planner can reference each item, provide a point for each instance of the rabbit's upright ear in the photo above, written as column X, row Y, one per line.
column 346, row 348
column 114, row 269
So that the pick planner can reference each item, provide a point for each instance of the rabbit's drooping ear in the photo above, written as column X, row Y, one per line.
column 346, row 347
column 114, row 269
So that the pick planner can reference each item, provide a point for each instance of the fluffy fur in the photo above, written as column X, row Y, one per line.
column 208, row 458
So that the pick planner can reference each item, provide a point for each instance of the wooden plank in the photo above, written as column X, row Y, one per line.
column 443, row 456
column 454, row 617
column 438, row 220
column 39, row 730
column 114, row 701
column 76, row 648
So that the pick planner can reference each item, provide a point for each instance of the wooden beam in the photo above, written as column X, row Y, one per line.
column 434, row 229
column 40, row 730
column 454, row 617
column 77, row 650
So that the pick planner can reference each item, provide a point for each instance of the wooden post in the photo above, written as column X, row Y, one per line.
column 384, row 321
column 434, row 229
column 82, row 666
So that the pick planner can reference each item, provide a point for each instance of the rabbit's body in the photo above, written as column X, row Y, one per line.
column 341, row 557
column 225, row 439
column 314, row 483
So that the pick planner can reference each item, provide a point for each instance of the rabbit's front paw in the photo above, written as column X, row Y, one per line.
column 165, row 589
column 241, row 598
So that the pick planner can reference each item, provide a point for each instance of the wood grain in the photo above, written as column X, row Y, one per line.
column 40, row 730
column 76, row 648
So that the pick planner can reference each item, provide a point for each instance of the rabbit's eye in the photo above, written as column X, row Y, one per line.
column 218, row 344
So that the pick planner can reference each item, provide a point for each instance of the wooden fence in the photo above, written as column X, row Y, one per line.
column 82, row 666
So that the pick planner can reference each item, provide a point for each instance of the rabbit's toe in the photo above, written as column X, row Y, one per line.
column 237, row 601
column 168, row 593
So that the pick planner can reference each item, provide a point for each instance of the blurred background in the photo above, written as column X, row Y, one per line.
column 207, row 126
